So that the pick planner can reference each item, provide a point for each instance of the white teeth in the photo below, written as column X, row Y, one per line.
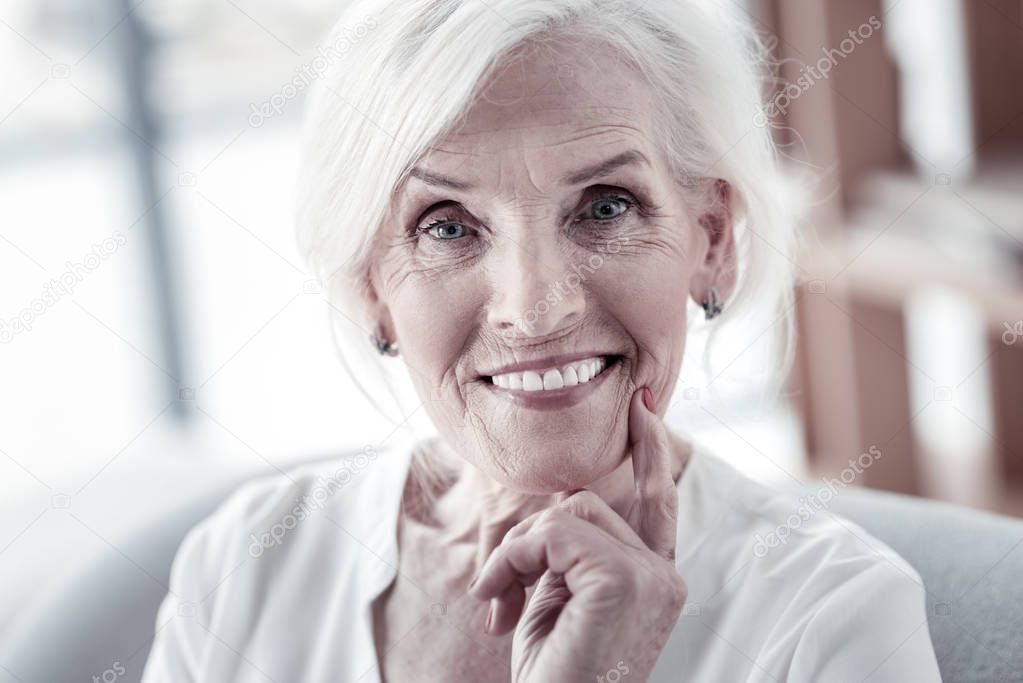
column 531, row 381
column 552, row 380
column 584, row 373
column 570, row 375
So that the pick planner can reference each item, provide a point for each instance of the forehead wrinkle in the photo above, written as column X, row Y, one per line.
column 580, row 167
column 402, row 188
column 510, row 155
column 597, row 115
column 627, row 131
column 474, row 150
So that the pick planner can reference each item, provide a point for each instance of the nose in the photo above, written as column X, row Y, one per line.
column 536, row 290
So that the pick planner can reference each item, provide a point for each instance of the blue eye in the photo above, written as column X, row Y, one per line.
column 446, row 230
column 605, row 208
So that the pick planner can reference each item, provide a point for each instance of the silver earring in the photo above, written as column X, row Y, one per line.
column 711, row 304
column 385, row 348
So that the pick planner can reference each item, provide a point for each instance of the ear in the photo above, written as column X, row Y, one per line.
column 378, row 313
column 719, row 265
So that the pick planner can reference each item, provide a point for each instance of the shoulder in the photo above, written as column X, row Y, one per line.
column 773, row 527
column 325, row 529
column 277, row 503
column 308, row 518
column 821, row 595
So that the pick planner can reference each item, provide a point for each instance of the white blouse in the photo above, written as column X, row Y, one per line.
column 277, row 584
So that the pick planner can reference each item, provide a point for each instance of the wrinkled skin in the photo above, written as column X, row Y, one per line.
column 458, row 280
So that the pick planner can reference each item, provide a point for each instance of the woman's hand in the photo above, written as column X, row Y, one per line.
column 607, row 593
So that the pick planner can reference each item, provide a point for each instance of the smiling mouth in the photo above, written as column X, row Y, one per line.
column 576, row 373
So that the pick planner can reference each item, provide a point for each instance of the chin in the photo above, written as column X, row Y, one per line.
column 550, row 466
column 542, row 442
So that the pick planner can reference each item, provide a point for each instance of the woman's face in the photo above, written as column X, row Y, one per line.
column 535, row 269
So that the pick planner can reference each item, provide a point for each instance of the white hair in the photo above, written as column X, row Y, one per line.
column 401, row 73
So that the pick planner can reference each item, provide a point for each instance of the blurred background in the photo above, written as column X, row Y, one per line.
column 159, row 336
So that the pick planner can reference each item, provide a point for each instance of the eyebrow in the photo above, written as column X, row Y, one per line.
column 631, row 157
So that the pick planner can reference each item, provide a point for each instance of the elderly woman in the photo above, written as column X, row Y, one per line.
column 517, row 199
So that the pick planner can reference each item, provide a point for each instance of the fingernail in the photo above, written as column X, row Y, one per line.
column 648, row 399
column 490, row 617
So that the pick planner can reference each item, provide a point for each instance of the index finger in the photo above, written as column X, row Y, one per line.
column 654, row 511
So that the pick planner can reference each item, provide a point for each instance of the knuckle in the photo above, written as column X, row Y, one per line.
column 661, row 439
column 671, row 593
column 679, row 593
column 657, row 441
column 580, row 502
column 550, row 518
column 623, row 590
column 664, row 495
column 681, row 588
column 675, row 586
column 522, row 527
column 514, row 532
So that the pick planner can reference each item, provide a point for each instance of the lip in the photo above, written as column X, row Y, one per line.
column 547, row 363
column 556, row 399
